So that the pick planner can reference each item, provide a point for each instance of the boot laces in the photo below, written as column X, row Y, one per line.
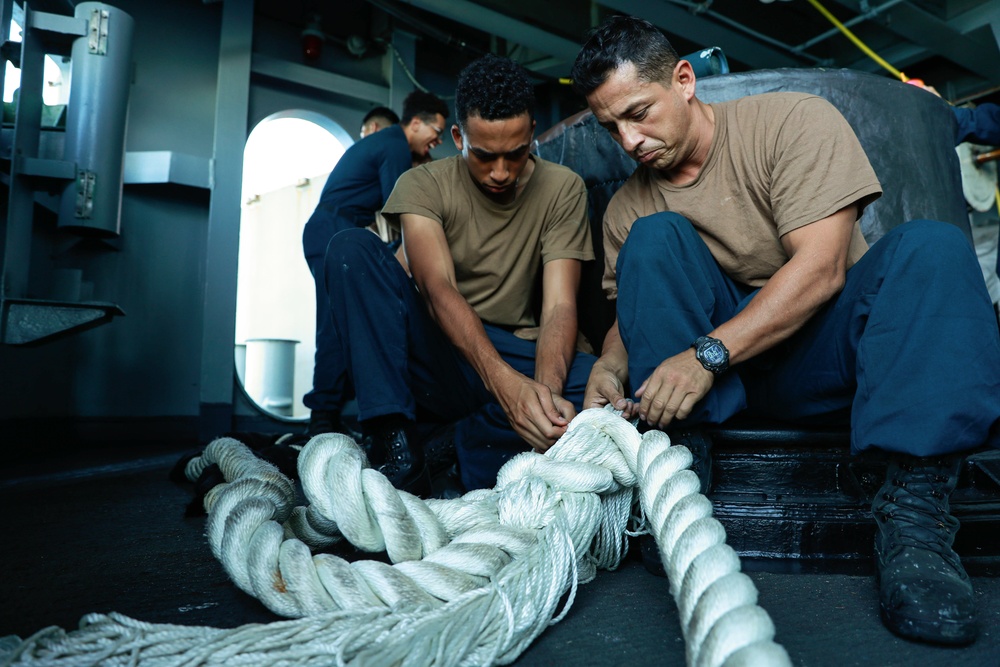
column 396, row 450
column 911, row 533
column 926, row 524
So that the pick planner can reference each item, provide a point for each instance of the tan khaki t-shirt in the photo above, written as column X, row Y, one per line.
column 777, row 162
column 499, row 249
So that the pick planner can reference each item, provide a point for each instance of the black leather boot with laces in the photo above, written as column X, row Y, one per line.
column 924, row 592
column 392, row 441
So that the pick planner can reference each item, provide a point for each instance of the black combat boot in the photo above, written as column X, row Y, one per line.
column 393, row 445
column 924, row 592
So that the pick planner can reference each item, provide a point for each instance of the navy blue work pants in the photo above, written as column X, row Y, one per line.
column 908, row 352
column 330, row 389
column 400, row 361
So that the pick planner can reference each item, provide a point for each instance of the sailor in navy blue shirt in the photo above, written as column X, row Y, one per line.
column 355, row 190
column 979, row 125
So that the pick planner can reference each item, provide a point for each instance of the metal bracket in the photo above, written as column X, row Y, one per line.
column 97, row 40
column 45, row 168
column 86, row 182
column 33, row 321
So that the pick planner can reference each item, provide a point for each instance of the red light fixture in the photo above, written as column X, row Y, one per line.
column 312, row 40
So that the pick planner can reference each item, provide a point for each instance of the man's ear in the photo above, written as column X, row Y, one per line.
column 456, row 136
column 684, row 78
column 410, row 129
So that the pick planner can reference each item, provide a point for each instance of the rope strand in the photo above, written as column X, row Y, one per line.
column 474, row 580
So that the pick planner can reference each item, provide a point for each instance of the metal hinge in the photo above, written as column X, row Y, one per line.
column 97, row 41
column 86, row 181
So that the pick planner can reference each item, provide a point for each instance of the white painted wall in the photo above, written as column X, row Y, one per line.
column 275, row 296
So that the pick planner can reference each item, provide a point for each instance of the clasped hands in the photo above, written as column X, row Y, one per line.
column 670, row 392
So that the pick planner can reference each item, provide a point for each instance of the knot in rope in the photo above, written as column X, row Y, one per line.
column 473, row 580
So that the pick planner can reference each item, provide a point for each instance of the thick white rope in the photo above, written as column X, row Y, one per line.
column 474, row 580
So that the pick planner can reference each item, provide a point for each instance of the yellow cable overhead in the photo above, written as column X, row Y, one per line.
column 857, row 42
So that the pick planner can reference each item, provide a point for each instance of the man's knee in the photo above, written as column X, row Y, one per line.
column 652, row 234
column 933, row 242
column 660, row 227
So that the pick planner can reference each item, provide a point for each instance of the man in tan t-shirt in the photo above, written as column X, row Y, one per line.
column 743, row 283
column 494, row 239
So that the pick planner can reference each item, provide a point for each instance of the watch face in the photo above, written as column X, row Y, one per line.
column 713, row 354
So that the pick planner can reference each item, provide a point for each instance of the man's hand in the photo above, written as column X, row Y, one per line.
column 604, row 387
column 606, row 384
column 537, row 414
column 673, row 389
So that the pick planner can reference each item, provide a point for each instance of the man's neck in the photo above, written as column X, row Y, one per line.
column 702, row 133
column 525, row 176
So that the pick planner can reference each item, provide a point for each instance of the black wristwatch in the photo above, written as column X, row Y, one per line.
column 712, row 354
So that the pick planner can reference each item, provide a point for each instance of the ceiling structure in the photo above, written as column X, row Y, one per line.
column 951, row 44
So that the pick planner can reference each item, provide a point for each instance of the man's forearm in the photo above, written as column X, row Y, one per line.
column 556, row 347
column 609, row 377
column 815, row 272
column 786, row 302
column 614, row 356
column 464, row 329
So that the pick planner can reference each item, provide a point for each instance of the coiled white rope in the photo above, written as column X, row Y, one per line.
column 474, row 580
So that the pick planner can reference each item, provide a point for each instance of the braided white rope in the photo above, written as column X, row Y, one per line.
column 717, row 603
column 473, row 581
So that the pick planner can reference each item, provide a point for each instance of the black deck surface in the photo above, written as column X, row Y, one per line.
column 109, row 534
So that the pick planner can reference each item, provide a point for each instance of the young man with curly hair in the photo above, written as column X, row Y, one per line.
column 485, row 332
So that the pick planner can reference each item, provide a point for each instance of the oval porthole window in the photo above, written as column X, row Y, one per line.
column 287, row 159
